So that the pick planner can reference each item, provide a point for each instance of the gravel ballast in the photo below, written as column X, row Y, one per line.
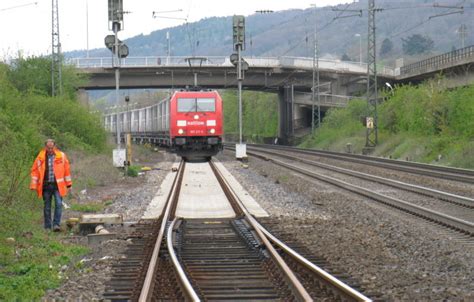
column 386, row 251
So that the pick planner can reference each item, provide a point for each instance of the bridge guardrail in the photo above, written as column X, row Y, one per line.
column 437, row 62
column 262, row 62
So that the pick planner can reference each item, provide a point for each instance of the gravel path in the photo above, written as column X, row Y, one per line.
column 385, row 250
column 86, row 279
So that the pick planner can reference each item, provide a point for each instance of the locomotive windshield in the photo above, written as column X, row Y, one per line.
column 186, row 105
column 196, row 105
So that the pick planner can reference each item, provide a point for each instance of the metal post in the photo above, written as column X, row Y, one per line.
column 372, row 99
column 313, row 86
column 169, row 49
column 239, row 45
column 463, row 34
column 117, row 79
column 56, row 60
column 292, row 116
column 316, row 83
column 87, row 27
column 239, row 79
column 129, row 149
column 360, row 48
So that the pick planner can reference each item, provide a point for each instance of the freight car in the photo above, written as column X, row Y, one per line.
column 190, row 122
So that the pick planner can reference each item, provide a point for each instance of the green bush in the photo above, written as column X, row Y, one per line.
column 422, row 123
column 34, row 74
column 259, row 113
column 132, row 171
column 31, row 262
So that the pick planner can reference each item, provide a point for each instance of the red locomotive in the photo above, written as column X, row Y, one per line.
column 196, row 123
column 190, row 122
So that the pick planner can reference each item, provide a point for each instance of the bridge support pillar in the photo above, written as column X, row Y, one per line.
column 286, row 119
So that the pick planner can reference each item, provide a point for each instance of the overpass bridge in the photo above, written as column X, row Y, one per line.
column 290, row 77
column 457, row 66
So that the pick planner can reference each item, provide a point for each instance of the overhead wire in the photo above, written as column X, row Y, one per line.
column 318, row 30
column 18, row 6
column 382, row 9
column 424, row 21
column 188, row 33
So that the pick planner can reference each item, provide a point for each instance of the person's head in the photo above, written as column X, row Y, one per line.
column 50, row 144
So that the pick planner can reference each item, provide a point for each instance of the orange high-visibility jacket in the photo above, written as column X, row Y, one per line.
column 61, row 172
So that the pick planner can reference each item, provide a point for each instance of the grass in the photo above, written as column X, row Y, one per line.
column 92, row 170
column 31, row 258
column 418, row 123
column 31, row 263
column 132, row 171
column 91, row 207
column 108, row 202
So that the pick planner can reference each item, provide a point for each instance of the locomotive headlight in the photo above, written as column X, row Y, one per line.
column 180, row 131
column 212, row 131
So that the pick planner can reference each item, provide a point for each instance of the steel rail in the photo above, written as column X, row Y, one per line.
column 147, row 288
column 297, row 288
column 185, row 283
column 443, row 219
column 462, row 175
column 334, row 282
column 452, row 198
column 341, row 286
column 261, row 231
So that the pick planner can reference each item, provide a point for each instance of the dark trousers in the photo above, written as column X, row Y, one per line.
column 48, row 192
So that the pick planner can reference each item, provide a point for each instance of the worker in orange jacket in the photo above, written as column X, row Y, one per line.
column 51, row 176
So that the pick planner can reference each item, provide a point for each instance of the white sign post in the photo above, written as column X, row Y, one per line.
column 119, row 158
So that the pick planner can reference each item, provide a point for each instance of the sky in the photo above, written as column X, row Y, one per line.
column 25, row 25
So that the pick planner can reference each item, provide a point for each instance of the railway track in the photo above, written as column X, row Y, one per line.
column 461, row 175
column 216, row 259
column 455, row 223
column 458, row 200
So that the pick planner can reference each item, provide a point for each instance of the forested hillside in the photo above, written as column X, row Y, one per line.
column 291, row 32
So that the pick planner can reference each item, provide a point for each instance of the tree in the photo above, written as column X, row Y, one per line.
column 417, row 44
column 345, row 57
column 387, row 47
column 34, row 73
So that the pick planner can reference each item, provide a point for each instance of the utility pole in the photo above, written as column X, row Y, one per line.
column 87, row 27
column 116, row 65
column 119, row 50
column 56, row 60
column 372, row 97
column 156, row 14
column 239, row 45
column 462, row 31
column 168, row 54
column 316, row 83
column 360, row 48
